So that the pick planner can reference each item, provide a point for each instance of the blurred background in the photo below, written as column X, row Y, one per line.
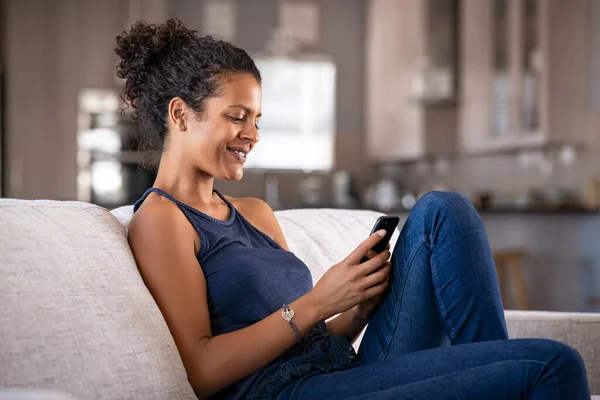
column 367, row 104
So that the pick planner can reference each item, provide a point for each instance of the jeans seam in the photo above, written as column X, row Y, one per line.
column 384, row 353
column 438, row 295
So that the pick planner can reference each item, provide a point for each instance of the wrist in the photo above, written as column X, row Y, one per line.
column 316, row 305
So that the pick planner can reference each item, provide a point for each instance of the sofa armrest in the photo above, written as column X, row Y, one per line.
column 579, row 330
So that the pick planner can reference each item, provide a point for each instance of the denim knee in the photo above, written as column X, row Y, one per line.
column 569, row 359
column 439, row 201
column 564, row 360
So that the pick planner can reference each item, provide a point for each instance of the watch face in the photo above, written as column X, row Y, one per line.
column 288, row 314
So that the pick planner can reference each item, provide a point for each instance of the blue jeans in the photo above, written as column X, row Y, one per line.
column 439, row 332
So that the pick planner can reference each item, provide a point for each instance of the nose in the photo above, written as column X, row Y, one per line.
column 250, row 134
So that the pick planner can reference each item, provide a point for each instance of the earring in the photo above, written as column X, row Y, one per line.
column 181, row 125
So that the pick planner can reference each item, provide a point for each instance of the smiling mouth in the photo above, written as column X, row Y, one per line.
column 239, row 155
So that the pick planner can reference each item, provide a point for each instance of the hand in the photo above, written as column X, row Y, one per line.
column 349, row 282
column 365, row 308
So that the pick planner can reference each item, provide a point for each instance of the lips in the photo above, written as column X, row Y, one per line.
column 239, row 153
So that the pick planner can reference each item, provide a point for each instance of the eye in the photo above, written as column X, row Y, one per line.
column 236, row 119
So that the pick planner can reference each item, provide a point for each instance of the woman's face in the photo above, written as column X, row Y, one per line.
column 218, row 142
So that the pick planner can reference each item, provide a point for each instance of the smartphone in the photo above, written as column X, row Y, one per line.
column 387, row 223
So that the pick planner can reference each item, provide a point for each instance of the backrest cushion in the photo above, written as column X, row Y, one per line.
column 75, row 315
column 324, row 237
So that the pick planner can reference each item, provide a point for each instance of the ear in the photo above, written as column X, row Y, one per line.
column 178, row 112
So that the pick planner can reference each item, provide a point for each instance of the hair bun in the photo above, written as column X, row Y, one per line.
column 145, row 45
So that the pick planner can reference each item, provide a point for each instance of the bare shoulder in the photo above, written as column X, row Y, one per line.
column 154, row 211
column 257, row 211
column 160, row 217
column 260, row 214
column 251, row 206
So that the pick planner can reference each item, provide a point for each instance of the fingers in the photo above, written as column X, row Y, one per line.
column 374, row 263
column 365, row 246
column 377, row 277
column 370, row 254
column 377, row 289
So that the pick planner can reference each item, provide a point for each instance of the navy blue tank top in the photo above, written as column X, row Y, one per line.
column 249, row 277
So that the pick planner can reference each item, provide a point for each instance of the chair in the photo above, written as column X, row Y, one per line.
column 509, row 269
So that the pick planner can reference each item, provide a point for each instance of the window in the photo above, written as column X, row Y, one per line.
column 298, row 124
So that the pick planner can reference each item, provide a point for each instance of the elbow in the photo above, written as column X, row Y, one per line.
column 202, row 388
column 201, row 375
column 199, row 391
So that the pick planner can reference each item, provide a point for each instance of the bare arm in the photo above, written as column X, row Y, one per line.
column 164, row 246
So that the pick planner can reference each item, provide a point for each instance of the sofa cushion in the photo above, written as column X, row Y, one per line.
column 76, row 315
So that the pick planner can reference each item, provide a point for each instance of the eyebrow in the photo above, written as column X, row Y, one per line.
column 243, row 107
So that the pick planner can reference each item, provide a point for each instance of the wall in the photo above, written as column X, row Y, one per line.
column 54, row 48
column 594, row 67
column 2, row 100
column 38, row 153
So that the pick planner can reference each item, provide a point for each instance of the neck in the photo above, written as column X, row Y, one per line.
column 179, row 179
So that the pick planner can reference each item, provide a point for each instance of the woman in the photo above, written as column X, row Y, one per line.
column 241, row 308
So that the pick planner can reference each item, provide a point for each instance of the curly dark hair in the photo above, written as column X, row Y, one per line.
column 160, row 62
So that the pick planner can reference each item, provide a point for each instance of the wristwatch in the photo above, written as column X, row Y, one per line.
column 288, row 314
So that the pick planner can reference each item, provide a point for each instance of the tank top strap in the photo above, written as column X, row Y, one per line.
column 188, row 208
column 158, row 191
column 187, row 211
column 231, row 207
column 201, row 222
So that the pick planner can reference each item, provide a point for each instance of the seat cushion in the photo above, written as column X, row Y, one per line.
column 76, row 316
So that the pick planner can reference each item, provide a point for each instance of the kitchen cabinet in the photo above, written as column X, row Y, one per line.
column 410, row 79
column 524, row 74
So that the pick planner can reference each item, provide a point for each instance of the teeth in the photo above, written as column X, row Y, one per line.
column 241, row 154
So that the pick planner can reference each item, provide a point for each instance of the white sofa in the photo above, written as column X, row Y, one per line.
column 76, row 320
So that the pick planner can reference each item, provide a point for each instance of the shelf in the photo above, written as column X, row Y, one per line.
column 503, row 144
